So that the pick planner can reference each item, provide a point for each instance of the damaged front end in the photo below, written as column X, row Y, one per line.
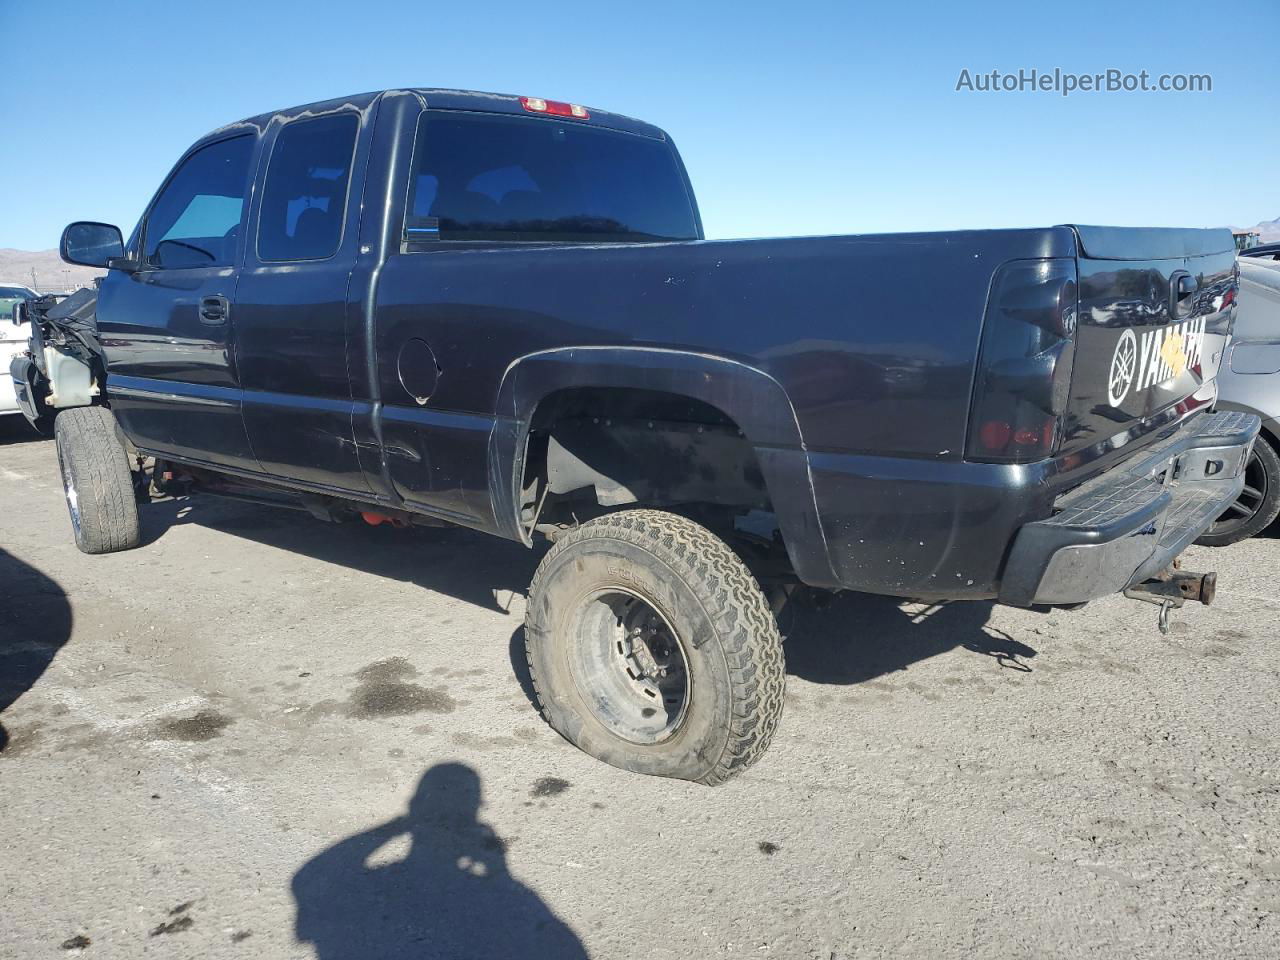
column 63, row 364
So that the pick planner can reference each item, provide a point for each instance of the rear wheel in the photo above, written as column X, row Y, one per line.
column 96, row 480
column 1258, row 504
column 652, row 648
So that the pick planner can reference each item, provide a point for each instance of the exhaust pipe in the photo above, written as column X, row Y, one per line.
column 1171, row 588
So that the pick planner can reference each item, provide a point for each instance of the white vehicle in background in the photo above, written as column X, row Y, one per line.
column 13, row 340
column 1249, row 380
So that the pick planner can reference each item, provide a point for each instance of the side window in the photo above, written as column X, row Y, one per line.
column 196, row 219
column 305, row 196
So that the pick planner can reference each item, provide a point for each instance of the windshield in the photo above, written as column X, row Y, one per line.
column 9, row 296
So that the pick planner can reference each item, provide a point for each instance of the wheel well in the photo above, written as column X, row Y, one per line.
column 600, row 448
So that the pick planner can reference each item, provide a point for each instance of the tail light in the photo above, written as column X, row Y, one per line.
column 555, row 108
column 1024, row 363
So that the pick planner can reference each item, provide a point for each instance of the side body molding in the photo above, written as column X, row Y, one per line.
column 752, row 398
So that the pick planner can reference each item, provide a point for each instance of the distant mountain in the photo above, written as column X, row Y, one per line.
column 1270, row 230
column 51, row 274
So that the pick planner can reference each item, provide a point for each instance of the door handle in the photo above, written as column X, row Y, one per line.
column 214, row 310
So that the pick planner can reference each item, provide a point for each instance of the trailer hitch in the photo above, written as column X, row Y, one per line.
column 1171, row 588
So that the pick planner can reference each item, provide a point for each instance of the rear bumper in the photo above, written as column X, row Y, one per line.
column 1132, row 521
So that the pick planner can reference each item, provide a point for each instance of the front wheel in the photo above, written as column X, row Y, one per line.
column 96, row 480
column 1258, row 504
column 652, row 648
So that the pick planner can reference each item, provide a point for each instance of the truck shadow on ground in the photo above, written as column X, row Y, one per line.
column 14, row 429
column 858, row 637
column 861, row 636
column 450, row 894
column 35, row 622
column 479, row 569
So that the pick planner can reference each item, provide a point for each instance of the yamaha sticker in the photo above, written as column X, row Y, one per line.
column 1157, row 357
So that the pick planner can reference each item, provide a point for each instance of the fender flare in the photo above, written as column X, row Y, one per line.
column 753, row 399
column 29, row 393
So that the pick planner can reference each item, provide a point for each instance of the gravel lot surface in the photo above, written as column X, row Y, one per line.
column 264, row 736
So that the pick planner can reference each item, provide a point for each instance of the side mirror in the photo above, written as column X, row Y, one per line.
column 91, row 244
column 19, row 312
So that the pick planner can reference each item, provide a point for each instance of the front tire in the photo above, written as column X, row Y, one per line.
column 96, row 480
column 652, row 648
column 1258, row 504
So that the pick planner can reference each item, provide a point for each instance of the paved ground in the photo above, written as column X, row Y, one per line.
column 264, row 736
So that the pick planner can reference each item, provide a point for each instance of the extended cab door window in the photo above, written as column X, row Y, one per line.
column 485, row 176
column 291, row 304
column 195, row 221
column 305, row 196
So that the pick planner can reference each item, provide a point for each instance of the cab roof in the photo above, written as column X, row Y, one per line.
column 440, row 98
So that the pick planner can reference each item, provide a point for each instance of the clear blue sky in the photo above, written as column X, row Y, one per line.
column 793, row 117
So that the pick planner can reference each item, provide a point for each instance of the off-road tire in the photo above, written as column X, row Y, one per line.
column 694, row 580
column 96, row 480
column 1268, row 508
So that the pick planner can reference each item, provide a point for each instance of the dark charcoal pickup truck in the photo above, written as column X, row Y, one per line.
column 433, row 306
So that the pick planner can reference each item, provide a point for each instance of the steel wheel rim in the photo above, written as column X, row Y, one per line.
column 69, row 491
column 629, row 665
column 1252, row 497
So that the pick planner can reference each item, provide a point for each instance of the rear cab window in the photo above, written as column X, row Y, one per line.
column 195, row 221
column 482, row 176
column 304, row 198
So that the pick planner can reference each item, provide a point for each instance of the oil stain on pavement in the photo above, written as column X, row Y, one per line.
column 384, row 691
column 181, row 921
column 549, row 787
column 201, row 726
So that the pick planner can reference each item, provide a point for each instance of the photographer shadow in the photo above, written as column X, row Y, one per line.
column 450, row 895
column 35, row 623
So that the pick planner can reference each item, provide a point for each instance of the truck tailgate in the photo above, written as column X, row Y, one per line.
column 1155, row 313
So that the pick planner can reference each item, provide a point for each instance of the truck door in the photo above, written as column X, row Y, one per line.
column 291, row 304
column 168, row 326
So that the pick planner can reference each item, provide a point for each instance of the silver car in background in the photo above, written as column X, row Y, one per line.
column 13, row 340
column 1249, row 380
